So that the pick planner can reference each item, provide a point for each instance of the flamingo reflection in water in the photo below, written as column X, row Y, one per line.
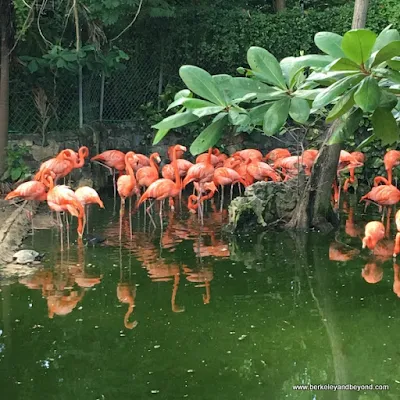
column 126, row 292
column 372, row 272
column 396, row 280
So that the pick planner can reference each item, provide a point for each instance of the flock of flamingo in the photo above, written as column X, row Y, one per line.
column 139, row 175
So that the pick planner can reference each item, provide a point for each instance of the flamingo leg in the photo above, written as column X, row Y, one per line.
column 130, row 217
column 240, row 188
column 87, row 219
column 148, row 212
column 231, row 191
column 121, row 215
column 60, row 224
column 222, row 198
column 161, row 214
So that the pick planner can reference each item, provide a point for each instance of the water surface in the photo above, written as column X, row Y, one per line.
column 189, row 313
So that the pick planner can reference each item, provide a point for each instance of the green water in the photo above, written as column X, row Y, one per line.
column 212, row 318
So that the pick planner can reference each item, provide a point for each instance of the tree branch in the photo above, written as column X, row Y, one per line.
column 130, row 24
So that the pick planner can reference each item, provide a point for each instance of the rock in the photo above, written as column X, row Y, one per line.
column 40, row 153
column 264, row 204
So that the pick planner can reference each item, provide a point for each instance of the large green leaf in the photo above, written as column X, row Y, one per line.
column 385, row 37
column 240, row 87
column 291, row 65
column 236, row 118
column 197, row 103
column 276, row 116
column 308, row 94
column 335, row 90
column 385, row 126
column 257, row 113
column 394, row 63
column 357, row 44
column 299, row 110
column 201, row 83
column 388, row 100
column 386, row 53
column 343, row 64
column 365, row 142
column 202, row 112
column 348, row 124
column 176, row 120
column 368, row 94
column 344, row 104
column 329, row 43
column 263, row 62
column 209, row 136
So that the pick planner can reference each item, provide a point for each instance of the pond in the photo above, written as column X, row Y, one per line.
column 188, row 313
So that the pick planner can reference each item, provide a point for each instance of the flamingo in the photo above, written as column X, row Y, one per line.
column 61, row 198
column 397, row 240
column 30, row 191
column 360, row 157
column 204, row 157
column 87, row 195
column 139, row 161
column 261, row 171
column 246, row 154
column 60, row 166
column 374, row 232
column 145, row 176
column 201, row 173
column 127, row 186
column 170, row 152
column 391, row 159
column 276, row 154
column 163, row 188
column 226, row 176
column 113, row 160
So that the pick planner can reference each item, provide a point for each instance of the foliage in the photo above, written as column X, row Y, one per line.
column 16, row 166
column 359, row 75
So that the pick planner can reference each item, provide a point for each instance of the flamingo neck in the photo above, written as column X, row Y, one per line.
column 175, row 164
column 153, row 164
column 129, row 168
column 209, row 155
column 81, row 157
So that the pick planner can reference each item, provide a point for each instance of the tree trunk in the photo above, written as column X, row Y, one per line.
column 360, row 14
column 280, row 5
column 5, row 25
column 314, row 209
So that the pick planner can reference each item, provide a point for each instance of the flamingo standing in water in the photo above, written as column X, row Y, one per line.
column 113, row 160
column 163, row 188
column 61, row 198
column 391, row 159
column 87, row 195
column 226, row 176
column 60, row 166
column 201, row 173
column 127, row 186
column 374, row 232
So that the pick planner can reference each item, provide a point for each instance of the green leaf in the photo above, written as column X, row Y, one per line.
column 33, row 66
column 204, row 111
column 69, row 56
column 365, row 142
column 16, row 173
column 209, row 136
column 335, row 90
column 182, row 94
column 385, row 37
column 388, row 100
column 160, row 135
column 276, row 116
column 385, row 126
column 264, row 63
column 236, row 118
column 394, row 63
column 299, row 110
column 368, row 94
column 61, row 63
column 292, row 65
column 308, row 94
column 197, row 103
column 386, row 53
column 201, row 83
column 329, row 43
column 343, row 64
column 175, row 121
column 257, row 113
column 348, row 124
column 344, row 104
column 357, row 45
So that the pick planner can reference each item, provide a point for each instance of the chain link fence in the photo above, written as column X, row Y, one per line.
column 52, row 104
